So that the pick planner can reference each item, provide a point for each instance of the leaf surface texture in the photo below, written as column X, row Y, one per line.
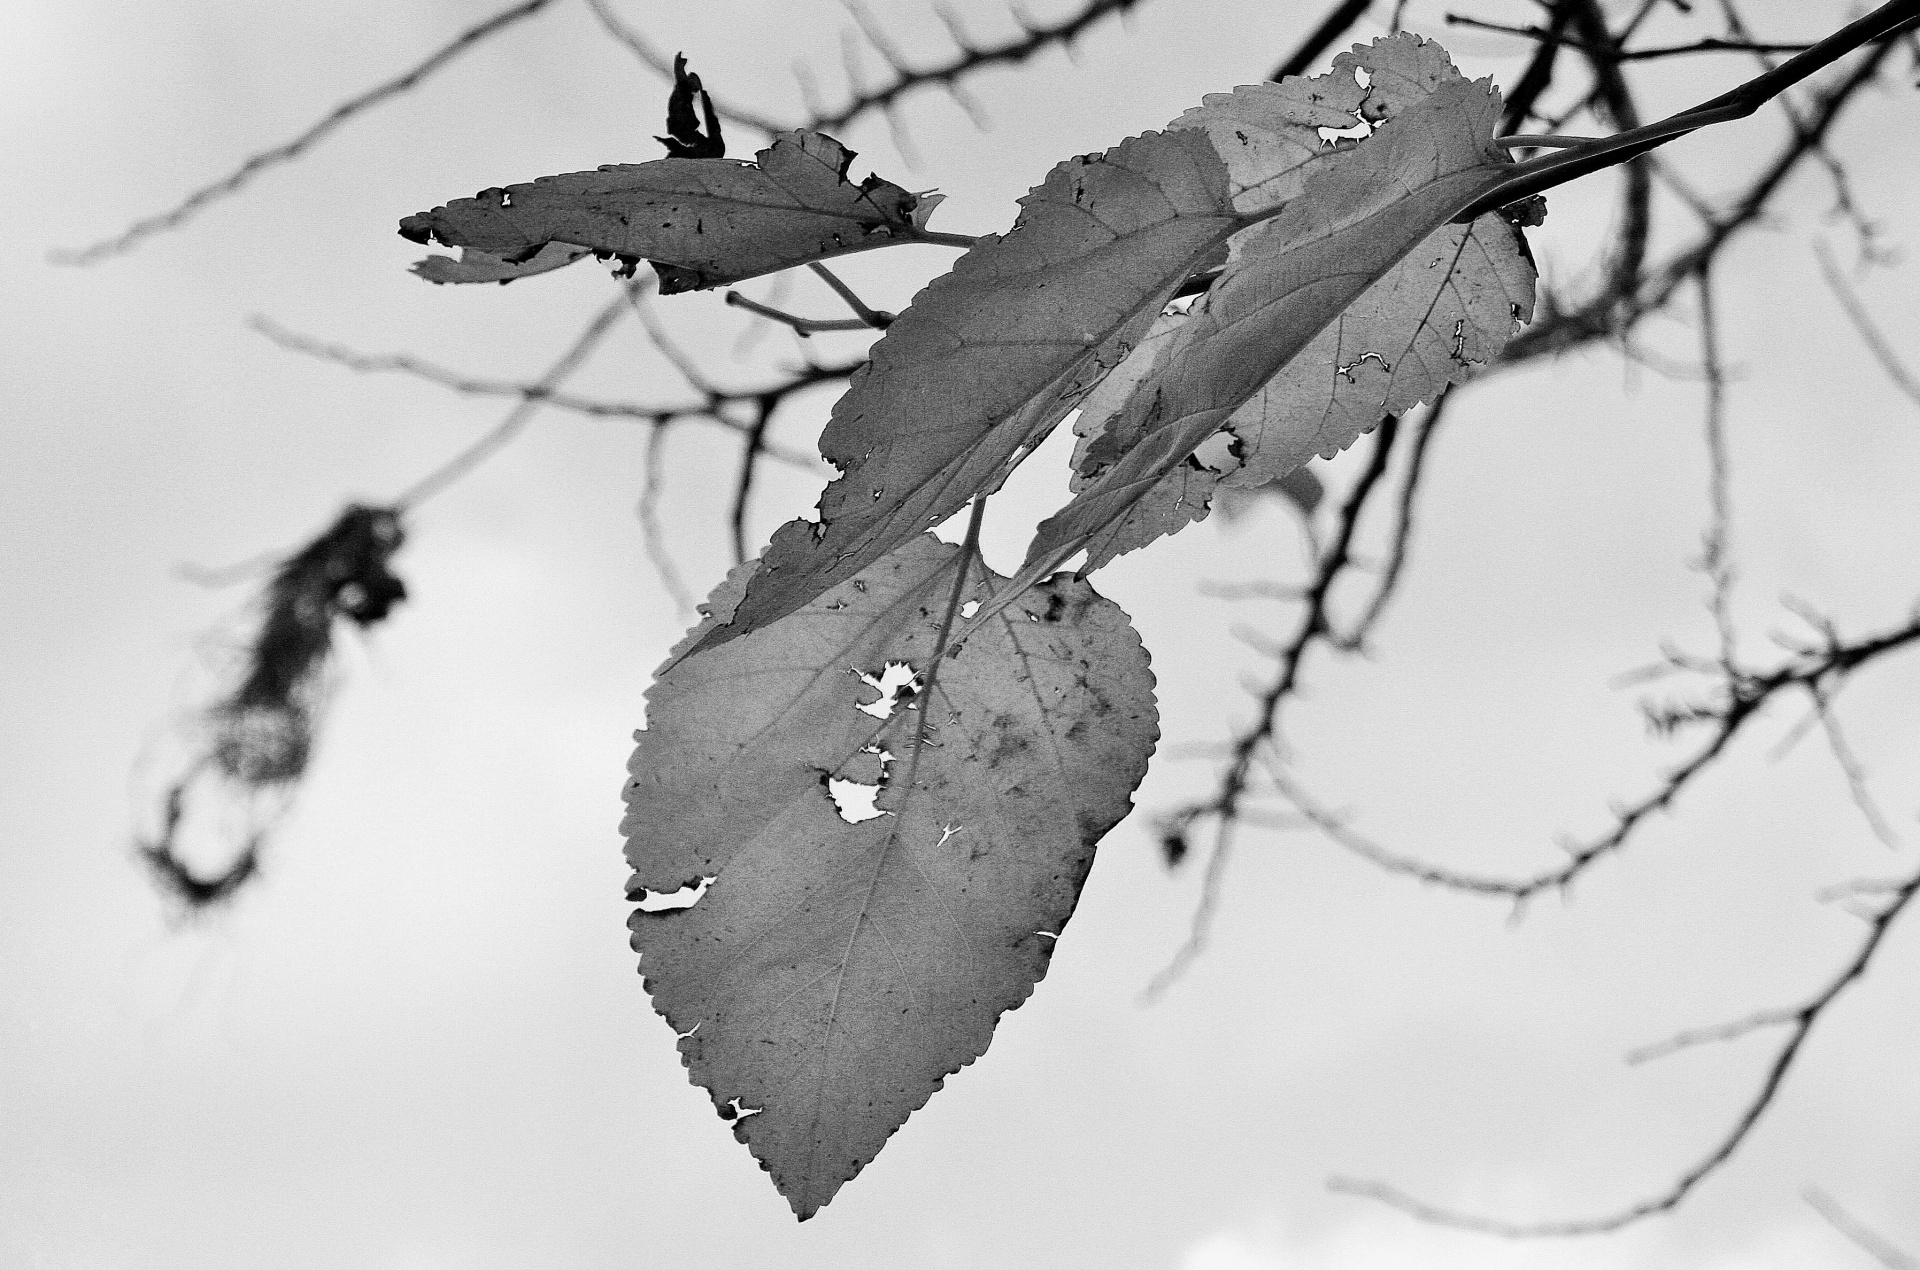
column 834, row 973
column 1341, row 295
column 991, row 356
column 702, row 222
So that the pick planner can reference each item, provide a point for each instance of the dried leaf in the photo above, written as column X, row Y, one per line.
column 834, row 973
column 702, row 222
column 480, row 266
column 1292, row 277
column 1269, row 134
column 684, row 140
column 1448, row 307
column 990, row 357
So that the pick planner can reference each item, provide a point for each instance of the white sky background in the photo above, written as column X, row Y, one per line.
column 419, row 1041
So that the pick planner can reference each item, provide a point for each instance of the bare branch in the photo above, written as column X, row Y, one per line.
column 1715, row 557
column 1336, row 24
column 1801, row 1021
column 1863, row 323
column 521, row 414
column 129, row 238
column 647, row 512
column 707, row 410
column 1036, row 37
column 1743, row 695
column 1870, row 1241
column 1548, row 38
column 1314, row 626
column 1354, row 638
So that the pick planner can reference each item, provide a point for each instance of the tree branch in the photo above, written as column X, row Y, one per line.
column 131, row 237
column 1800, row 1020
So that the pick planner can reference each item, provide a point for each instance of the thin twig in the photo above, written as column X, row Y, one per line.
column 1715, row 557
column 1036, row 37
column 707, row 411
column 1801, row 1020
column 1314, row 625
column 639, row 46
column 1870, row 1241
column 178, row 215
column 647, row 512
column 1546, row 36
column 1355, row 636
column 1876, row 343
column 803, row 327
column 521, row 414
column 879, row 319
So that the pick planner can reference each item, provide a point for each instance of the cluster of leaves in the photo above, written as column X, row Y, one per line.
column 825, row 971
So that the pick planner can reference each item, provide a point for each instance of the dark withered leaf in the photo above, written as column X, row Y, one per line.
column 684, row 140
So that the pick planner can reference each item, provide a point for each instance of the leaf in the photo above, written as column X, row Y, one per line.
column 1448, row 307
column 1269, row 134
column 834, row 973
column 684, row 140
column 479, row 266
column 991, row 356
column 702, row 222
column 1289, row 278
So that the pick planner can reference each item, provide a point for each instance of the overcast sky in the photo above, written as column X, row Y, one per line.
column 418, row 1041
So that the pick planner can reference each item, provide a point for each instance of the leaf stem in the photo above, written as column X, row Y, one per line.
column 969, row 548
column 1548, row 171
column 803, row 327
column 872, row 317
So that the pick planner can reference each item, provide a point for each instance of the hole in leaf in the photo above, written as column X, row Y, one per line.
column 1334, row 136
column 896, row 682
column 853, row 800
column 969, row 608
column 733, row 1109
column 671, row 901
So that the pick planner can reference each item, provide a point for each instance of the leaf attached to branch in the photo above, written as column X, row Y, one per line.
column 702, row 222
column 1358, row 295
column 991, row 356
column 835, row 971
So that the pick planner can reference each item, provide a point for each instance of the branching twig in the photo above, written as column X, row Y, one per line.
column 708, row 410
column 1745, row 693
column 1800, row 1021
column 517, row 418
column 1314, row 625
column 1548, row 37
column 127, row 239
column 971, row 57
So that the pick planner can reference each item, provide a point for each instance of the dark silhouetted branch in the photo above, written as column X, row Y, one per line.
column 1314, row 625
column 1336, row 24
